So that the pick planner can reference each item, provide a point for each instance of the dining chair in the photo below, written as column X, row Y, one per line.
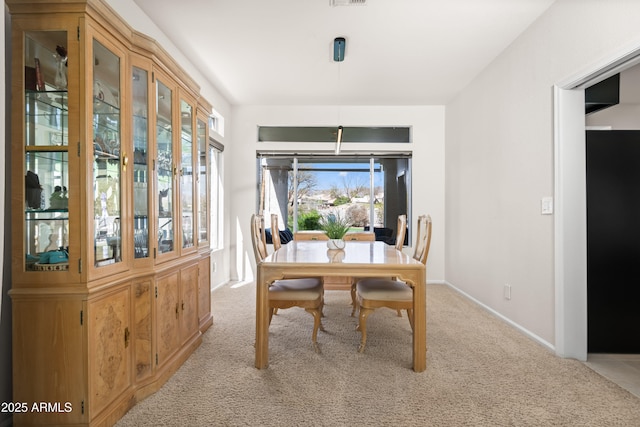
column 275, row 232
column 400, row 233
column 310, row 235
column 373, row 293
column 361, row 236
column 275, row 239
column 307, row 293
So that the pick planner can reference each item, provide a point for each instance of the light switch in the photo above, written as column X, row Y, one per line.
column 546, row 206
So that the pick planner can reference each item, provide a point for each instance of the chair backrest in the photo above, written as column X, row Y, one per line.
column 258, row 237
column 364, row 236
column 423, row 239
column 401, row 231
column 310, row 235
column 275, row 233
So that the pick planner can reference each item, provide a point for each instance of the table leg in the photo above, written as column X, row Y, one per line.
column 262, row 321
column 420, row 326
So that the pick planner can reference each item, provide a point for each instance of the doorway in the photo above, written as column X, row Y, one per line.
column 613, row 241
column 570, row 240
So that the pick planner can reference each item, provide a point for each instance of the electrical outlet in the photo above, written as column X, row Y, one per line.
column 213, row 267
column 507, row 291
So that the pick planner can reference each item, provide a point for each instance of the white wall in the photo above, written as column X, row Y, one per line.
column 499, row 159
column 427, row 174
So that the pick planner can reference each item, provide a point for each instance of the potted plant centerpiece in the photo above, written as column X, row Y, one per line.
column 336, row 227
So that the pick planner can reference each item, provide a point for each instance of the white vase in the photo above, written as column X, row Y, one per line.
column 335, row 244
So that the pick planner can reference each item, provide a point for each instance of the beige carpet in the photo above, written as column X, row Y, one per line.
column 480, row 372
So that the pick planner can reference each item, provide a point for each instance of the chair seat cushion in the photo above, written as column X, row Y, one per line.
column 384, row 290
column 296, row 289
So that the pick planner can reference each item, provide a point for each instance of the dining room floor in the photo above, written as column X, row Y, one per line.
column 622, row 369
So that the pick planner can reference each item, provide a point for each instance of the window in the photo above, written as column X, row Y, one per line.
column 369, row 190
column 216, row 123
column 215, row 185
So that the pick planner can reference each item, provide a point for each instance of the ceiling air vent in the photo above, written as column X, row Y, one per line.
column 335, row 3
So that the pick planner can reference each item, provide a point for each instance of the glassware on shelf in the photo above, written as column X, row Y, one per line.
column 107, row 169
column 186, row 173
column 140, row 129
column 46, row 159
column 165, row 168
column 61, row 67
column 202, row 183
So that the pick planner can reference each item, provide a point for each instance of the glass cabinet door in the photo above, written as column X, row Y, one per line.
column 140, row 129
column 107, row 174
column 165, row 168
column 186, row 173
column 46, row 143
column 202, row 181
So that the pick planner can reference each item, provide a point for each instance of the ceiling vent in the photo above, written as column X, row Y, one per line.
column 336, row 3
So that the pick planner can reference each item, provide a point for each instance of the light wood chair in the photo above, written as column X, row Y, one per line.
column 275, row 239
column 361, row 236
column 400, row 233
column 374, row 293
column 307, row 293
column 275, row 233
column 310, row 235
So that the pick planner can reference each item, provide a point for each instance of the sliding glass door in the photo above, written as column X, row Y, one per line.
column 370, row 191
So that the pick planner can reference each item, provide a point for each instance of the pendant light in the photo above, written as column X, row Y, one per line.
column 339, row 140
column 339, row 45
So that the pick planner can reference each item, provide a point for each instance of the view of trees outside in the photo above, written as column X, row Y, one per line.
column 367, row 191
column 342, row 189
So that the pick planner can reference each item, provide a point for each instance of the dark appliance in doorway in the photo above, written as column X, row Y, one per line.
column 613, row 241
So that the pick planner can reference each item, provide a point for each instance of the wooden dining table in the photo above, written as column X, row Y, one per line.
column 359, row 259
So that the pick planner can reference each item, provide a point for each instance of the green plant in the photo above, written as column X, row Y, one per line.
column 335, row 226
column 309, row 220
column 341, row 200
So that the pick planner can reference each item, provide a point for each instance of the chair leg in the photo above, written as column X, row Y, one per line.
column 354, row 305
column 271, row 313
column 362, row 327
column 317, row 324
column 410, row 316
column 399, row 313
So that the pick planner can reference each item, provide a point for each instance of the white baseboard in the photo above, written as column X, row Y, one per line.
column 525, row 331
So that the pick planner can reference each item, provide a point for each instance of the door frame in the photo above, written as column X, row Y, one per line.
column 570, row 219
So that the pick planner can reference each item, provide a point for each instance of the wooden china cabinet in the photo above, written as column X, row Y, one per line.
column 110, row 208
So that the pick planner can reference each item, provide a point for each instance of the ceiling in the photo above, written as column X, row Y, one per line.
column 398, row 52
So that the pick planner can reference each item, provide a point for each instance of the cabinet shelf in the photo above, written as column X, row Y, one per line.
column 45, row 214
column 53, row 98
column 102, row 106
column 102, row 155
